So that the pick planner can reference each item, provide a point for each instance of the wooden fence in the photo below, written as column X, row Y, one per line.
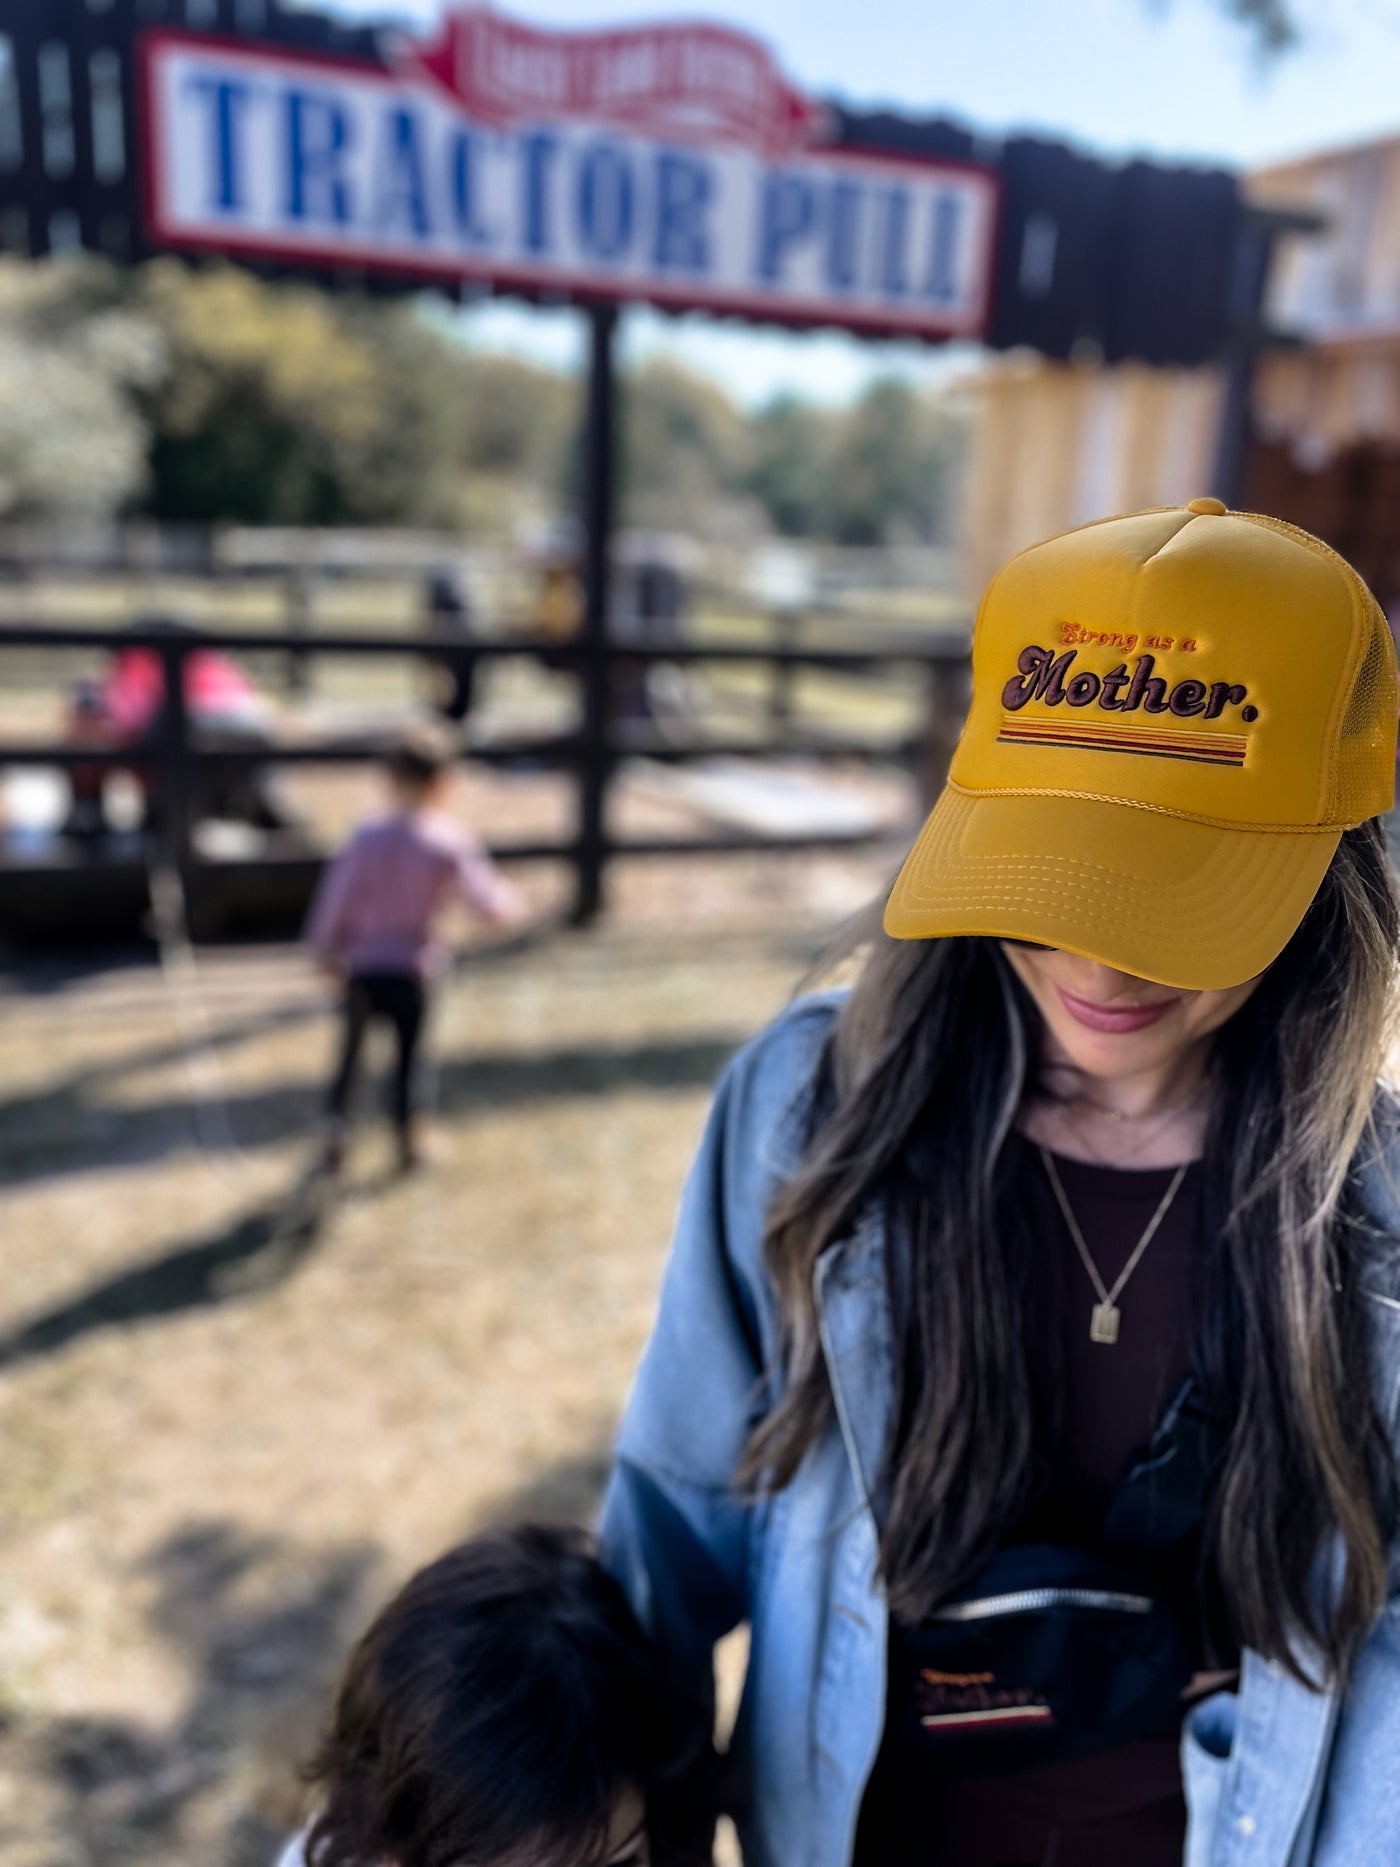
column 176, row 762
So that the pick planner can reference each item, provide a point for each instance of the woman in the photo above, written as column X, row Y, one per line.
column 1028, row 1363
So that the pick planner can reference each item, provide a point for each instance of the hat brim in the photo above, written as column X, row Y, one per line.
column 1185, row 904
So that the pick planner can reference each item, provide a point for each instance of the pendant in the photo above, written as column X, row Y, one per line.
column 1103, row 1323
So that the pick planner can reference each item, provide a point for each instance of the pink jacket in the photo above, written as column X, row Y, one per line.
column 379, row 900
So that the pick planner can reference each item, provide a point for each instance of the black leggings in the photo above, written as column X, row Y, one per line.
column 400, row 1000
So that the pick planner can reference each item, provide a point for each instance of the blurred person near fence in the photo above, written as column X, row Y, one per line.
column 126, row 709
column 454, row 671
column 1027, row 1369
column 373, row 925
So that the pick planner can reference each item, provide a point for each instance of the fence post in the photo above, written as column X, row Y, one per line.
column 782, row 678
column 176, row 773
column 595, row 751
column 300, row 597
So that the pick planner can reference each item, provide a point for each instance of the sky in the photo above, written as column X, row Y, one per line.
column 1172, row 79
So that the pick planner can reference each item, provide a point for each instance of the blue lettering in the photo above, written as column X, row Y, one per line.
column 942, row 286
column 605, row 200
column 842, row 233
column 401, row 193
column 466, row 156
column 318, row 136
column 539, row 148
column 684, row 187
column 894, row 245
column 785, row 219
column 228, row 98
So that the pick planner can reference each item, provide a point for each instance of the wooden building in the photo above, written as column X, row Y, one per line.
column 1057, row 444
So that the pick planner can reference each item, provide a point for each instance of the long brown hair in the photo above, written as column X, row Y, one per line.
column 930, row 1061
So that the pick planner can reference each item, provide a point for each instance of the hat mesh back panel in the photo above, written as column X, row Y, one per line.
column 1358, row 785
column 1364, row 765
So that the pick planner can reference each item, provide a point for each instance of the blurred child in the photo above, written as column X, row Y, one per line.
column 505, row 1710
column 372, row 923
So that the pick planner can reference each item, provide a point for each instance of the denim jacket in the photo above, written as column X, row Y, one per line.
column 1276, row 1775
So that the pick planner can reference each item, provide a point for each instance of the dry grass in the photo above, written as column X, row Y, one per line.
column 221, row 1443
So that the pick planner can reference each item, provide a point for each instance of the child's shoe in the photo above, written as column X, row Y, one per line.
column 330, row 1155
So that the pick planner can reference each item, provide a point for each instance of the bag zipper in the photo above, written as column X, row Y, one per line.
column 1032, row 1600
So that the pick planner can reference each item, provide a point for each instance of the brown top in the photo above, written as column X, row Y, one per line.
column 1098, row 1407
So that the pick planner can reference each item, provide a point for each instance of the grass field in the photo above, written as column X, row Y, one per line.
column 227, row 1432
column 224, row 1436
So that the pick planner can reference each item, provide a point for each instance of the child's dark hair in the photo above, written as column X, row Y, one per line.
column 420, row 755
column 497, row 1709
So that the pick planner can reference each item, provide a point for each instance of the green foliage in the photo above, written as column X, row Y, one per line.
column 1275, row 26
column 282, row 406
column 869, row 474
column 788, row 469
column 880, row 470
column 206, row 395
column 1272, row 21
column 682, row 445
column 516, row 421
column 891, row 468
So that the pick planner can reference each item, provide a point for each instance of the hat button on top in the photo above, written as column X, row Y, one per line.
column 1213, row 507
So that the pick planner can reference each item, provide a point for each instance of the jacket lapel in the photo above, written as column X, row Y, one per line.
column 853, row 1314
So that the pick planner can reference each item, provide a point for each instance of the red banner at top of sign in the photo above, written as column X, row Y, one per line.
column 710, row 82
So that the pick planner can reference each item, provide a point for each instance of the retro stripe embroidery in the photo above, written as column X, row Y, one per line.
column 1140, row 741
column 997, row 1718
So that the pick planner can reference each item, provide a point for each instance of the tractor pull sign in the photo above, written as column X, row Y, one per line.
column 672, row 164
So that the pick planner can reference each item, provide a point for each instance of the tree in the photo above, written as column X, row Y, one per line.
column 280, row 405
column 207, row 395
column 515, row 420
column 787, row 470
column 71, row 356
column 880, row 470
column 891, row 465
column 1274, row 24
column 683, row 445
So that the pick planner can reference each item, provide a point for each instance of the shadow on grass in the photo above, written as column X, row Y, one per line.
column 569, row 1491
column 262, row 1625
column 259, row 1623
column 262, row 1250
column 73, row 1131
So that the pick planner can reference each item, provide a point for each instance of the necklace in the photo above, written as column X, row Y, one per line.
column 1121, row 1115
column 1141, row 1130
column 1105, row 1316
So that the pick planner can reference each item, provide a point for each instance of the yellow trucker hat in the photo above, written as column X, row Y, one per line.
column 1175, row 715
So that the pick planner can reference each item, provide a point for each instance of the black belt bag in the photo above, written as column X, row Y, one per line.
column 1054, row 1652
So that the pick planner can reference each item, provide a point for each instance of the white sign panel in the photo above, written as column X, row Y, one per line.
column 266, row 153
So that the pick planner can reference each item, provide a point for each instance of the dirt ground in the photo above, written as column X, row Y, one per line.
column 227, row 1433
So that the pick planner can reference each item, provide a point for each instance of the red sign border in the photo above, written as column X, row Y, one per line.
column 532, row 281
column 637, row 30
